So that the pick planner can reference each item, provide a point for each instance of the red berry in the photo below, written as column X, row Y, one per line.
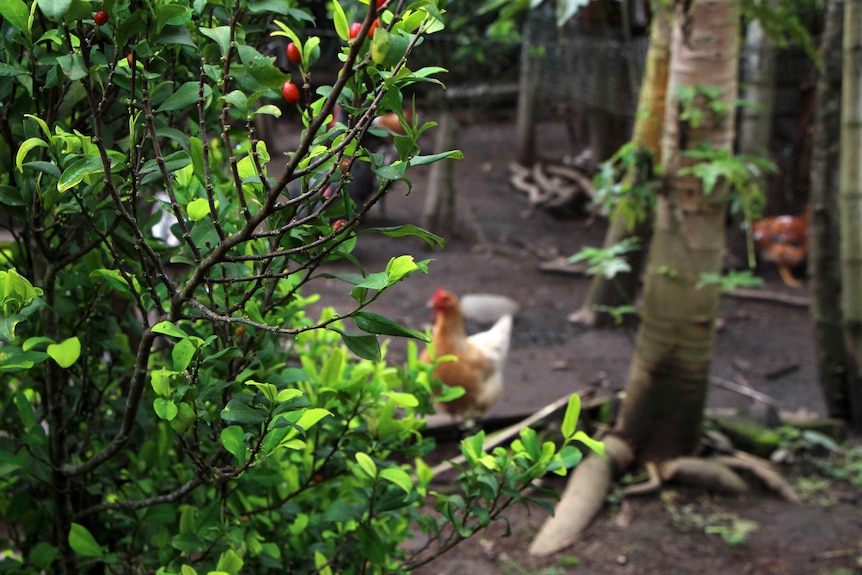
column 318, row 478
column 100, row 18
column 130, row 58
column 293, row 53
column 373, row 28
column 354, row 29
column 344, row 166
column 337, row 225
column 290, row 92
column 381, row 3
column 240, row 331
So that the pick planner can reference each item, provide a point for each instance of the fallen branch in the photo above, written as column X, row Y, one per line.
column 742, row 390
column 770, row 296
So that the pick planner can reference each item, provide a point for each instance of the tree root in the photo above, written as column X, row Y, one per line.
column 588, row 486
column 583, row 497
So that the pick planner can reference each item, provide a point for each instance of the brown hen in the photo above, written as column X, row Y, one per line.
column 783, row 240
column 480, row 357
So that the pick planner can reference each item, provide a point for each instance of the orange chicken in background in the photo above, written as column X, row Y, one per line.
column 783, row 240
column 480, row 357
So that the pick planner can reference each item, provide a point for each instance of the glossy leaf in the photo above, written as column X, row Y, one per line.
column 232, row 439
column 238, row 412
column 377, row 324
column 165, row 408
column 364, row 346
column 80, row 169
column 399, row 477
column 65, row 353
column 367, row 464
column 167, row 328
column 570, row 419
column 182, row 354
column 83, row 543
column 185, row 96
column 16, row 13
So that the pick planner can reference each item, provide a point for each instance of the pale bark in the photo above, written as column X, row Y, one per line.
column 851, row 197
column 755, row 123
column 622, row 289
column 669, row 376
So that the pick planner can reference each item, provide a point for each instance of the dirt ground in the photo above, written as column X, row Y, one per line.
column 497, row 248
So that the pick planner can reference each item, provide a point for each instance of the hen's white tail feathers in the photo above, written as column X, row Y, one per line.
column 495, row 341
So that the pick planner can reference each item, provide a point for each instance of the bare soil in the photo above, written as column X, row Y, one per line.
column 497, row 247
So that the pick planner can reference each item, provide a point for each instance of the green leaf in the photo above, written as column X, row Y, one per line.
column 287, row 394
column 167, row 328
column 43, row 554
column 232, row 438
column 399, row 477
column 65, row 353
column 229, row 562
column 25, row 148
column 238, row 412
column 593, row 444
column 269, row 390
column 173, row 14
column 367, row 464
column 182, row 354
column 160, row 379
column 311, row 417
column 73, row 66
column 25, row 410
column 185, row 96
column 262, row 68
column 432, row 240
column 570, row 420
column 364, row 346
column 80, row 169
column 399, row 268
column 165, row 408
column 424, row 160
column 198, row 209
column 16, row 13
column 403, row 399
column 54, row 9
column 376, row 281
column 377, row 324
column 220, row 35
column 340, row 21
column 115, row 279
column 83, row 543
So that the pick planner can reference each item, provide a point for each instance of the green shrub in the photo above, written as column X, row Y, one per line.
column 168, row 403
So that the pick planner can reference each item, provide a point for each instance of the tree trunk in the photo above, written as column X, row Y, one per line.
column 755, row 124
column 824, row 238
column 438, row 212
column 669, row 378
column 851, row 201
column 528, row 86
column 622, row 289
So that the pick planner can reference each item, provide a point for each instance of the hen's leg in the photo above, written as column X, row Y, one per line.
column 788, row 277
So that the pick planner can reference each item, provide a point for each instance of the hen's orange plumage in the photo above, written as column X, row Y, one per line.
column 480, row 357
column 783, row 240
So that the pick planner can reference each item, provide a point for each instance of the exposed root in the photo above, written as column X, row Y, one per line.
column 588, row 486
column 551, row 186
column 651, row 485
column 708, row 473
column 583, row 497
column 763, row 471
